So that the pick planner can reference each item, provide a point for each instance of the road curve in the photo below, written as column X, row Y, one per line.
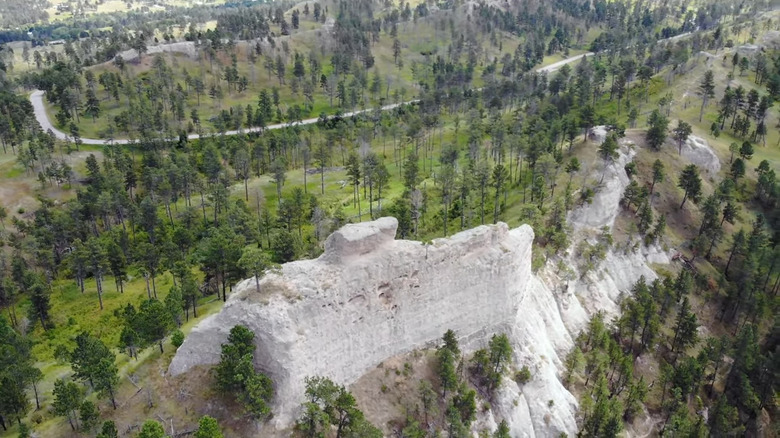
column 36, row 98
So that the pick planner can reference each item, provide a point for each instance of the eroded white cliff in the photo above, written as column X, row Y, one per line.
column 370, row 297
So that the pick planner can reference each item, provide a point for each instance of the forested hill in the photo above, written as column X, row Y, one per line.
column 110, row 254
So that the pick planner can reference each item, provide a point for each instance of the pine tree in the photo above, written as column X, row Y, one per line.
column 117, row 264
column 658, row 174
column 690, row 181
column 451, row 343
column 255, row 261
column 706, row 90
column 608, row 152
column 681, row 134
column 108, row 430
column 502, row 431
column 645, row 218
column 208, row 428
column 730, row 213
column 89, row 416
column 685, row 328
column 499, row 178
column 448, row 380
column 153, row 322
column 151, row 429
column 235, row 373
column 656, row 131
column 39, row 304
column 746, row 150
column 92, row 107
column 67, row 400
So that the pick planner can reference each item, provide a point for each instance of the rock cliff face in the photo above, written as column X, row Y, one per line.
column 370, row 297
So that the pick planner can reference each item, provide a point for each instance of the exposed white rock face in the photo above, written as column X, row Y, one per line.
column 577, row 298
column 370, row 297
column 748, row 49
column 185, row 47
column 771, row 40
column 602, row 289
column 605, row 206
column 598, row 134
column 699, row 152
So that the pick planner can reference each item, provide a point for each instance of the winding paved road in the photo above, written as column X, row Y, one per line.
column 36, row 98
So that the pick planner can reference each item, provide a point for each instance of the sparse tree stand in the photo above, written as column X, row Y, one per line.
column 490, row 364
column 690, row 181
column 329, row 405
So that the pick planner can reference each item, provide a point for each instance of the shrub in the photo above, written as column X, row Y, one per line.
column 630, row 169
column 523, row 376
column 177, row 338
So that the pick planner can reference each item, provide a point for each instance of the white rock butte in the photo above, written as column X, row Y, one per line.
column 370, row 297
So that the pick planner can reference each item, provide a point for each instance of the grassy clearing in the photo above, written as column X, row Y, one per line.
column 114, row 6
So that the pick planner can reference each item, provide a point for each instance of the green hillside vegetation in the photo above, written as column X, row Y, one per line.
column 108, row 252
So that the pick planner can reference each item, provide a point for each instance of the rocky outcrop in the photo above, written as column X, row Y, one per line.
column 699, row 152
column 748, row 49
column 184, row 47
column 771, row 40
column 370, row 297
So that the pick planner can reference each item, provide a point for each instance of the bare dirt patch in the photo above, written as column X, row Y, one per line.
column 389, row 391
column 176, row 402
